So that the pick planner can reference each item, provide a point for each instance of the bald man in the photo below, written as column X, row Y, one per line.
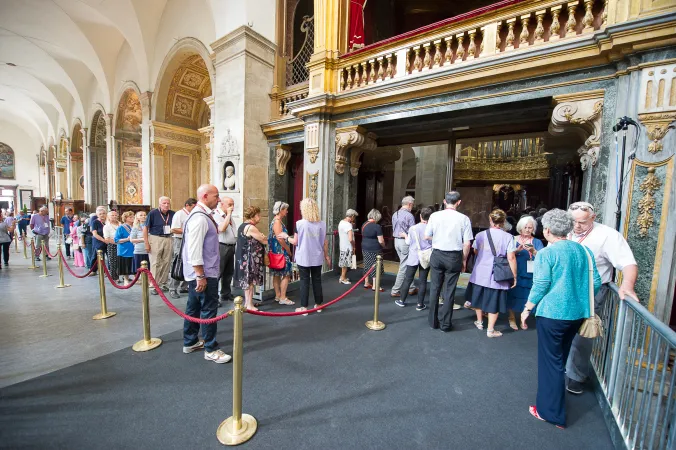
column 201, row 268
column 157, row 238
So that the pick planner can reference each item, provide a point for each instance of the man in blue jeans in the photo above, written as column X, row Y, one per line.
column 66, row 220
column 201, row 269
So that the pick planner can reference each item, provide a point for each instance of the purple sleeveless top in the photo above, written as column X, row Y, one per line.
column 482, row 274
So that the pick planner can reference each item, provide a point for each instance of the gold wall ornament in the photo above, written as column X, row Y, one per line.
column 283, row 155
column 646, row 205
column 657, row 125
column 352, row 137
column 312, row 183
column 313, row 153
column 530, row 168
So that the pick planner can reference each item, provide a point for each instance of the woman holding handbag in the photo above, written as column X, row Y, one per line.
column 249, row 255
column 565, row 280
column 419, row 252
column 372, row 244
column 347, row 245
column 489, row 282
column 280, row 253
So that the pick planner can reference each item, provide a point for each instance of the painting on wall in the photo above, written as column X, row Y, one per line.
column 7, row 169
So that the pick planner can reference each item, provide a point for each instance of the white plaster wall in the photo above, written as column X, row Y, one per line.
column 25, row 145
column 231, row 14
column 125, row 70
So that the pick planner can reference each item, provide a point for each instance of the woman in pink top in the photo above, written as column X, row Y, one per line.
column 312, row 250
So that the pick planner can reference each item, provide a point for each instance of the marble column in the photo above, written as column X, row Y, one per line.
column 86, row 167
column 244, row 62
column 146, row 179
column 69, row 181
column 111, row 164
column 208, row 131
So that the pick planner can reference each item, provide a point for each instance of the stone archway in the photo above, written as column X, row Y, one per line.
column 128, row 150
column 98, row 163
column 76, row 164
column 182, row 132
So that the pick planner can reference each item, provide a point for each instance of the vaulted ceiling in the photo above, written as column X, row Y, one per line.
column 63, row 60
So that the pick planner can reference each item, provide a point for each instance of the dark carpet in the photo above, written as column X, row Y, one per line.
column 318, row 382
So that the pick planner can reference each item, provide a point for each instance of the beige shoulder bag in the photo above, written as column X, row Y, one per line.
column 593, row 326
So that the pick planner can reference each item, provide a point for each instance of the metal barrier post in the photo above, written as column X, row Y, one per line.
column 32, row 266
column 16, row 241
column 148, row 343
column 60, row 259
column 375, row 324
column 44, row 261
column 238, row 428
column 25, row 252
column 104, row 314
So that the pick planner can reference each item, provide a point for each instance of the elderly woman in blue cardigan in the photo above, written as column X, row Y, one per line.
column 561, row 292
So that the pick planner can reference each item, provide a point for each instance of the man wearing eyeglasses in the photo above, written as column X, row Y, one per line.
column 611, row 251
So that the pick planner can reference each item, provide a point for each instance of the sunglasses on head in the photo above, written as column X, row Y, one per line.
column 582, row 206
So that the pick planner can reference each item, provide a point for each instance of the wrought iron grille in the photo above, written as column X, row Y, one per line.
column 296, row 71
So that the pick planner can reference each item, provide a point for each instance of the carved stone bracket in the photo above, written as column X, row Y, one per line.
column 359, row 140
column 658, row 125
column 283, row 154
column 646, row 205
column 580, row 113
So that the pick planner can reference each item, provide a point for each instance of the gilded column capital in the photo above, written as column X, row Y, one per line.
column 283, row 154
column 158, row 149
column 657, row 125
column 359, row 140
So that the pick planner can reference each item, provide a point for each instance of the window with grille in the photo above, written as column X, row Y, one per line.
column 296, row 71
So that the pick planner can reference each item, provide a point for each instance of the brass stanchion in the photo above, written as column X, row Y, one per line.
column 59, row 257
column 376, row 324
column 16, row 241
column 44, row 261
column 104, row 314
column 239, row 427
column 25, row 252
column 148, row 343
column 32, row 266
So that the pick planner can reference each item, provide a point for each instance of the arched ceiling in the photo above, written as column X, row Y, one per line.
column 190, row 84
column 58, row 58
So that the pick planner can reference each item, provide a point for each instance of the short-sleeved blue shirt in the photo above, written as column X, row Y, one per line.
column 157, row 220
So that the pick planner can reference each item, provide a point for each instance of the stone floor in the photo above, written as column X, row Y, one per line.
column 43, row 329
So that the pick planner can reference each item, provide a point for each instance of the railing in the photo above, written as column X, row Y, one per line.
column 469, row 38
column 634, row 362
column 296, row 70
column 291, row 95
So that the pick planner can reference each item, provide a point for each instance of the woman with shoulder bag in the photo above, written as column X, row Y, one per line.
column 372, row 244
column 565, row 280
column 488, row 284
column 419, row 252
column 249, row 255
column 280, row 253
column 125, row 247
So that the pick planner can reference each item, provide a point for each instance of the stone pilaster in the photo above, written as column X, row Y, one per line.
column 244, row 62
column 146, row 166
column 111, row 164
column 86, row 167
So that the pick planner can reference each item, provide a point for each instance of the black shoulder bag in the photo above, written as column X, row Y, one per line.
column 501, row 269
column 177, row 263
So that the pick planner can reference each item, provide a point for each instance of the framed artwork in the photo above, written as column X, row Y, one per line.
column 7, row 169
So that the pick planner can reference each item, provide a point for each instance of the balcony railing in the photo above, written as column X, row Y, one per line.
column 471, row 37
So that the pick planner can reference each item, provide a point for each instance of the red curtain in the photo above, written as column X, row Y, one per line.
column 297, row 191
column 357, row 24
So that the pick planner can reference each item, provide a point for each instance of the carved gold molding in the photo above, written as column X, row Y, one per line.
column 157, row 149
column 313, row 153
column 312, row 183
column 532, row 168
column 658, row 125
column 646, row 205
column 283, row 154
column 359, row 140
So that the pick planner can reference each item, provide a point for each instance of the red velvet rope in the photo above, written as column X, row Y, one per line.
column 178, row 311
column 319, row 308
column 119, row 286
column 49, row 254
column 71, row 270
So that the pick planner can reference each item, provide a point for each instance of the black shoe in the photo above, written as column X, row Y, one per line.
column 49, row 259
column 400, row 304
column 154, row 292
column 37, row 258
column 446, row 330
column 574, row 387
column 174, row 294
column 220, row 304
column 421, row 307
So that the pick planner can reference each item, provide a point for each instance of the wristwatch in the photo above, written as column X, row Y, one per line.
column 200, row 277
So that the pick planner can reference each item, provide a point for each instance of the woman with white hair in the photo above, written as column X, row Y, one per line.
column 280, row 253
column 526, row 248
column 347, row 245
column 372, row 244
column 561, row 288
column 109, row 231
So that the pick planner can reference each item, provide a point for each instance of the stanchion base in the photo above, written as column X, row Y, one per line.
column 32, row 267
column 227, row 436
column 45, row 276
column 100, row 316
column 376, row 326
column 144, row 346
column 62, row 286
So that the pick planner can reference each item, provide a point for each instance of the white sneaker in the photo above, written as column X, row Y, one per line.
column 456, row 306
column 317, row 306
column 199, row 345
column 345, row 281
column 217, row 356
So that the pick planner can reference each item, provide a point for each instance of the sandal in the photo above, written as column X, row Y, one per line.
column 257, row 304
column 467, row 305
column 479, row 325
column 512, row 325
column 379, row 290
column 286, row 301
column 253, row 308
column 534, row 412
column 368, row 286
column 302, row 308
column 493, row 334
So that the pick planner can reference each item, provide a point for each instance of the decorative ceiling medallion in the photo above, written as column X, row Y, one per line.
column 184, row 107
column 190, row 84
column 193, row 80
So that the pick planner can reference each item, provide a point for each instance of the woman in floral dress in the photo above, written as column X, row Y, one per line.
column 279, row 244
column 249, row 255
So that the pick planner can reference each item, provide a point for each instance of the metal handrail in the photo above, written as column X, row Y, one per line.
column 634, row 363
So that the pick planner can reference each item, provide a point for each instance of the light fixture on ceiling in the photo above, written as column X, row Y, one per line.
column 11, row 64
column 460, row 129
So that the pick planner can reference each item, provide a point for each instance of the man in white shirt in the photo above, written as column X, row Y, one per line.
column 177, row 238
column 450, row 233
column 611, row 251
column 227, row 238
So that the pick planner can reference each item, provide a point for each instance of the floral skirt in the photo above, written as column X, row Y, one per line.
column 112, row 261
column 345, row 259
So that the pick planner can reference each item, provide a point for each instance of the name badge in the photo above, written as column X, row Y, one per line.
column 167, row 229
column 530, row 265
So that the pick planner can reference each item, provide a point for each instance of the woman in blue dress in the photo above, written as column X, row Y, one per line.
column 278, row 244
column 526, row 248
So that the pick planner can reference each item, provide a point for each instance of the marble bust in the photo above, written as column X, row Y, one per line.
column 229, row 182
